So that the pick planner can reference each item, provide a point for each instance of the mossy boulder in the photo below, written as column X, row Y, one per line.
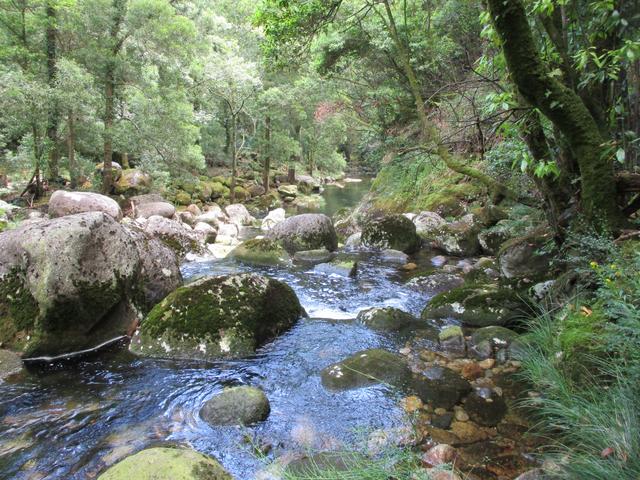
column 183, row 198
column 342, row 268
column 261, row 252
column 528, row 256
column 219, row 317
column 386, row 319
column 394, row 232
column 493, row 238
column 457, row 238
column 177, row 236
column 366, row 368
column 305, row 232
column 67, row 284
column 132, row 182
column 288, row 191
column 219, row 190
column 428, row 222
column 236, row 406
column 477, row 305
column 163, row 463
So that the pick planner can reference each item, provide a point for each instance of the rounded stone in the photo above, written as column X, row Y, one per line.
column 485, row 407
column 236, row 406
column 394, row 232
column 162, row 463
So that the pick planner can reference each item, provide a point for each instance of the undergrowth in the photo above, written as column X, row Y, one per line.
column 583, row 362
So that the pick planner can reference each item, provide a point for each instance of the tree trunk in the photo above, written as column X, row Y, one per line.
column 125, row 161
column 71, row 150
column 564, row 108
column 52, row 70
column 107, row 174
column 267, row 157
column 234, row 158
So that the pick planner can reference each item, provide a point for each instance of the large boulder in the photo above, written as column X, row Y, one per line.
column 395, row 232
column 261, row 251
column 67, row 284
column 387, row 319
column 477, row 305
column 273, row 218
column 528, row 256
column 457, row 238
column 236, row 406
column 177, row 236
column 305, row 232
column 162, row 463
column 307, row 184
column 220, row 317
column 161, row 209
column 132, row 182
column 427, row 223
column 159, row 272
column 239, row 215
column 69, row 203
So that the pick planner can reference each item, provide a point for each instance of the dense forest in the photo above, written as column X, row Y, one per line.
column 320, row 239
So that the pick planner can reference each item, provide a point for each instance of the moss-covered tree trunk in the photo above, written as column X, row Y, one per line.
column 563, row 107
column 52, row 73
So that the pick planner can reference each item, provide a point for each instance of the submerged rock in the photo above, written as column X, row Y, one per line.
column 366, row 368
column 69, row 203
column 343, row 268
column 219, row 317
column 488, row 341
column 314, row 257
column 485, row 407
column 478, row 305
column 440, row 387
column 386, row 319
column 394, row 232
column 305, row 232
column 261, row 252
column 67, row 284
column 236, row 406
column 163, row 463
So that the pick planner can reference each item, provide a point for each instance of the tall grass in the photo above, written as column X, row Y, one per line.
column 583, row 363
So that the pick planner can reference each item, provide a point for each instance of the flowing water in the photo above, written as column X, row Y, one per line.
column 70, row 420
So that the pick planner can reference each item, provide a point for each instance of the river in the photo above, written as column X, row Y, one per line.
column 70, row 420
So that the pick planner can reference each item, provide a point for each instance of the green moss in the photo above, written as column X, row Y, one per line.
column 218, row 317
column 183, row 198
column 420, row 184
column 261, row 252
column 18, row 310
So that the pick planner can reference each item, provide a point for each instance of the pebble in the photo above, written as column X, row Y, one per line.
column 460, row 414
column 412, row 404
column 487, row 364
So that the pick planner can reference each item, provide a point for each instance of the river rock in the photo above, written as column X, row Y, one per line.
column 307, row 184
column 177, row 236
column 394, row 256
column 485, row 407
column 239, row 215
column 457, row 238
column 132, row 182
column 159, row 273
column 220, row 317
column 395, row 232
column 236, row 406
column 492, row 239
column 440, row 455
column 535, row 474
column 214, row 216
column 436, row 283
column 206, row 232
column 527, row 257
column 354, row 241
column 10, row 364
column 69, row 203
column 476, row 305
column 452, row 340
column 261, row 252
column 366, row 368
column 162, row 209
column 64, row 283
column 162, row 463
column 138, row 200
column 488, row 341
column 288, row 191
column 314, row 257
column 386, row 319
column 427, row 223
column 440, row 387
column 273, row 218
column 116, row 170
column 342, row 268
column 305, row 232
